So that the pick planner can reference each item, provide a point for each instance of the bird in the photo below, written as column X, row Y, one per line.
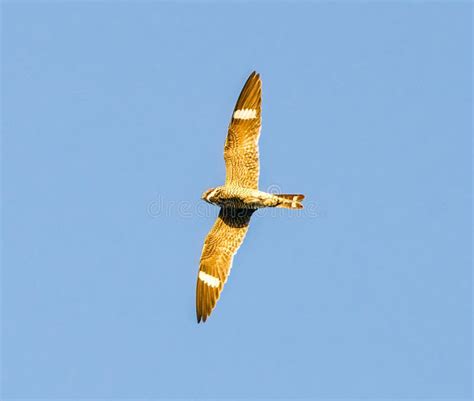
column 238, row 198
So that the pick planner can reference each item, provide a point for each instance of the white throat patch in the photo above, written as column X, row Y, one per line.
column 210, row 195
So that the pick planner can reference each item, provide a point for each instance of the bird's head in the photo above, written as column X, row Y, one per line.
column 209, row 195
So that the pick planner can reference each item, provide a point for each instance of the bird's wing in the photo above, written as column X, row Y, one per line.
column 218, row 251
column 241, row 146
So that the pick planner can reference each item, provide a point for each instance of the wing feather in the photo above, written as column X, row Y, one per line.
column 241, row 146
column 218, row 251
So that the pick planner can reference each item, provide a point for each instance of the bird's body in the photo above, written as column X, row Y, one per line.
column 238, row 198
column 229, row 196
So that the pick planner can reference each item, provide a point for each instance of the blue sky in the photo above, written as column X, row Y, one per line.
column 114, row 120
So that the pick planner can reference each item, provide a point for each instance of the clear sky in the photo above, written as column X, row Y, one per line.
column 114, row 120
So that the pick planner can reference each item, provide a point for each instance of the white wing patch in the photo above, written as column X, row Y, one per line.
column 245, row 114
column 208, row 279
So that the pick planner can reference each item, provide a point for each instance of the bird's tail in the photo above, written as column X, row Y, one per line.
column 290, row 201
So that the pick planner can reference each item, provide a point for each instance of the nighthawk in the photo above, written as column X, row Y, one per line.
column 238, row 198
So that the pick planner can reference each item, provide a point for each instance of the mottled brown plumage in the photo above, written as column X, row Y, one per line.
column 218, row 251
column 241, row 145
column 238, row 198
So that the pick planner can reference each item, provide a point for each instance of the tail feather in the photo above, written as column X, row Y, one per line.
column 290, row 201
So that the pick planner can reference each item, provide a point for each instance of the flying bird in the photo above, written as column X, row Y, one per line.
column 238, row 198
